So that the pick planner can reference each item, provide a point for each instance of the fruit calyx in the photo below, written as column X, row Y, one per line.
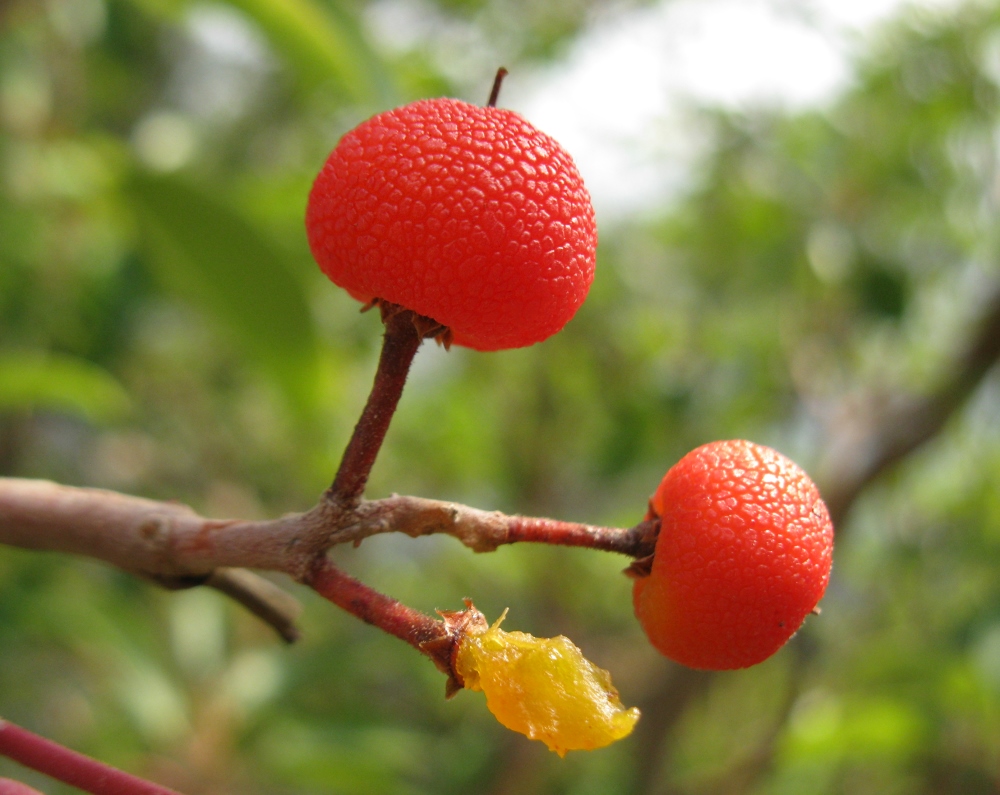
column 426, row 327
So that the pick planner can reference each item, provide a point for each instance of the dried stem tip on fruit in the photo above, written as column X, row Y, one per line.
column 543, row 688
column 464, row 214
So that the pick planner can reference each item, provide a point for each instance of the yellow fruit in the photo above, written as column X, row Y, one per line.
column 544, row 688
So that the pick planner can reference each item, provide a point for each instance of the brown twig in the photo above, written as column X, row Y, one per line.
column 171, row 544
column 151, row 538
column 270, row 603
column 70, row 767
column 870, row 435
column 263, row 598
column 485, row 531
column 662, row 710
column 169, row 541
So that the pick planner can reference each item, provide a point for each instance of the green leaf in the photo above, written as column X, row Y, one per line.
column 209, row 254
column 33, row 381
column 319, row 44
column 322, row 46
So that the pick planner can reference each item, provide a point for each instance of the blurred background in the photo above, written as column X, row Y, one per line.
column 797, row 205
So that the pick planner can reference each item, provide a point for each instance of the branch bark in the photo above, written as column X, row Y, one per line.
column 870, row 435
column 169, row 541
column 270, row 603
column 172, row 545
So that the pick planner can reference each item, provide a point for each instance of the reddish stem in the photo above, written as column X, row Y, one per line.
column 70, row 767
column 437, row 639
column 399, row 346
column 373, row 607
column 637, row 541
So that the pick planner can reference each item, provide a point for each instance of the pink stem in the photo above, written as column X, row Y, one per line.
column 68, row 766
column 10, row 787
column 636, row 541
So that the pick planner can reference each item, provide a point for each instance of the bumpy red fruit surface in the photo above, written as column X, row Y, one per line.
column 743, row 556
column 465, row 214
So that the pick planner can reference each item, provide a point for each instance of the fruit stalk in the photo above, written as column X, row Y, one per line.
column 399, row 345
column 377, row 609
column 636, row 541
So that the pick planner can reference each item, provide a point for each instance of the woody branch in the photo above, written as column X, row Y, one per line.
column 171, row 542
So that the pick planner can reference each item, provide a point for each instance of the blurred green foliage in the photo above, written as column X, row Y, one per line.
column 164, row 332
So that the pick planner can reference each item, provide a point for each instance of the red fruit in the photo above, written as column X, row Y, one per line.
column 464, row 214
column 743, row 556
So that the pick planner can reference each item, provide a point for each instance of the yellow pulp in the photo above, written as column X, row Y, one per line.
column 544, row 688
